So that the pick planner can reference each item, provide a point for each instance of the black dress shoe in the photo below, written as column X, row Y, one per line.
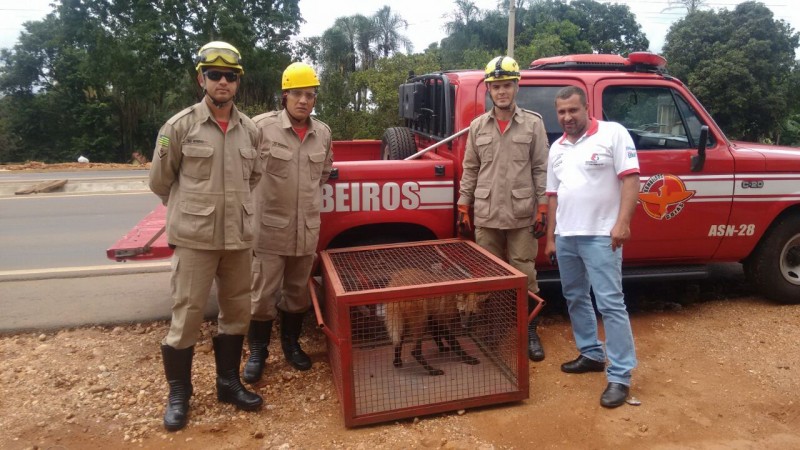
column 582, row 365
column 614, row 395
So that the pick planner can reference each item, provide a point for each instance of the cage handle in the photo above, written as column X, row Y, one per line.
column 312, row 284
column 540, row 304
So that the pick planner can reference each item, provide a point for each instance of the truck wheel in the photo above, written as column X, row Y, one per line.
column 397, row 143
column 774, row 267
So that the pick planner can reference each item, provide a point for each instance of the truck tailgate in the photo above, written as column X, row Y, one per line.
column 147, row 240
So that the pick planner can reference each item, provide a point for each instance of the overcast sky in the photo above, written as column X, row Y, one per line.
column 425, row 17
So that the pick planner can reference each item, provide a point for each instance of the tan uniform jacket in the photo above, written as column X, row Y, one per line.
column 505, row 175
column 205, row 178
column 289, row 196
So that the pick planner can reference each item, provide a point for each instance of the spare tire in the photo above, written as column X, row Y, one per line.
column 397, row 143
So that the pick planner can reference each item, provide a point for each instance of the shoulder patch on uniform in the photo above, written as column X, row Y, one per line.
column 532, row 112
column 180, row 115
column 163, row 145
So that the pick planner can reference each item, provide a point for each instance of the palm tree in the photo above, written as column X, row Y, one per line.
column 465, row 13
column 388, row 25
column 366, row 36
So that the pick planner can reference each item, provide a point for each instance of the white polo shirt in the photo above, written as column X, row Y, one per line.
column 586, row 176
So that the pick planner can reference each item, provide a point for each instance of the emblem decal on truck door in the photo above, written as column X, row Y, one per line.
column 664, row 196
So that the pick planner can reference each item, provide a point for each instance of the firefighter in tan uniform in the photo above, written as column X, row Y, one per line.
column 504, row 180
column 296, row 158
column 204, row 169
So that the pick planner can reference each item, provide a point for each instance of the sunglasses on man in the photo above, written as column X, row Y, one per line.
column 216, row 75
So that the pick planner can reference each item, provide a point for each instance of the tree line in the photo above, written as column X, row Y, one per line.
column 99, row 78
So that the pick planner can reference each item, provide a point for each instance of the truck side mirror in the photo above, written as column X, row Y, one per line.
column 699, row 159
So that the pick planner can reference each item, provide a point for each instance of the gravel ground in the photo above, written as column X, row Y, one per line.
column 718, row 369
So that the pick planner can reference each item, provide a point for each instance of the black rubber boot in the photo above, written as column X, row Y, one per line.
column 228, row 355
column 258, row 339
column 178, row 369
column 535, row 349
column 291, row 326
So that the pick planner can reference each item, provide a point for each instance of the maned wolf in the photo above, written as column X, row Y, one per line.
column 413, row 316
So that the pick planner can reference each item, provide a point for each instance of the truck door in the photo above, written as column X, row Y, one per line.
column 679, row 212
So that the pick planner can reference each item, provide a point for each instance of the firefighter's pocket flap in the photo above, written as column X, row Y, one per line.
column 523, row 138
column 483, row 140
column 249, row 209
column 273, row 220
column 248, row 153
column 482, row 193
column 313, row 222
column 280, row 153
column 317, row 157
column 196, row 209
column 196, row 151
column 522, row 193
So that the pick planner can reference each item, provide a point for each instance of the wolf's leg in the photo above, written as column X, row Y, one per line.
column 456, row 347
column 417, row 354
column 398, row 354
column 436, row 331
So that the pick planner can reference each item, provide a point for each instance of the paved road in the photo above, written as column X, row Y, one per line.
column 56, row 231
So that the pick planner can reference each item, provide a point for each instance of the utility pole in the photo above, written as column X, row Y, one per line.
column 512, row 11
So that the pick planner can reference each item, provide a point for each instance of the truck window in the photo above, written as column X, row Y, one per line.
column 540, row 99
column 656, row 117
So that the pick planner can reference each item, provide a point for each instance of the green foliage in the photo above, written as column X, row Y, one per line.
column 740, row 64
column 99, row 78
column 359, row 93
column 582, row 26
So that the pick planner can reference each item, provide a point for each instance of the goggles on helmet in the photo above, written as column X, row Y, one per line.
column 211, row 55
column 502, row 73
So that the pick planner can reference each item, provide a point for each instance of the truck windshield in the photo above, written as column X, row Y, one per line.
column 657, row 118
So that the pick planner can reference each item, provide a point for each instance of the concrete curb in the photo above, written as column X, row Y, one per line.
column 81, row 185
column 84, row 272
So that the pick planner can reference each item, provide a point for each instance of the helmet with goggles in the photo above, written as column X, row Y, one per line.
column 502, row 68
column 218, row 54
column 299, row 75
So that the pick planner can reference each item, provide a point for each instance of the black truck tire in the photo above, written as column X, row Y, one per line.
column 774, row 266
column 397, row 143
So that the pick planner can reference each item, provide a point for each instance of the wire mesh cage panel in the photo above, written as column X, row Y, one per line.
column 421, row 328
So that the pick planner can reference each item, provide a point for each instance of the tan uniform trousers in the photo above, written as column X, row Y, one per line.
column 193, row 271
column 280, row 282
column 517, row 246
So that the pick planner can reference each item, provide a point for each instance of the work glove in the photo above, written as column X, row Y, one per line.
column 464, row 222
column 540, row 224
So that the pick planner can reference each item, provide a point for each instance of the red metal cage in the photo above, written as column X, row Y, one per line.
column 422, row 328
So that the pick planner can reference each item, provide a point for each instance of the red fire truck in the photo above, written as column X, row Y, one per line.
column 703, row 198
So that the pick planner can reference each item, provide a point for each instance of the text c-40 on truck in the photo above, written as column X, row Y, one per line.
column 703, row 198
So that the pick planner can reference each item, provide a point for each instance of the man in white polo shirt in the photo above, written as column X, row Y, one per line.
column 592, row 185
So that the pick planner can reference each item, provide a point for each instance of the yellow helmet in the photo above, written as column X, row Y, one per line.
column 502, row 68
column 299, row 75
column 218, row 54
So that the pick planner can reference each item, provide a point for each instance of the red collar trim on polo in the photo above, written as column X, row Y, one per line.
column 593, row 127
